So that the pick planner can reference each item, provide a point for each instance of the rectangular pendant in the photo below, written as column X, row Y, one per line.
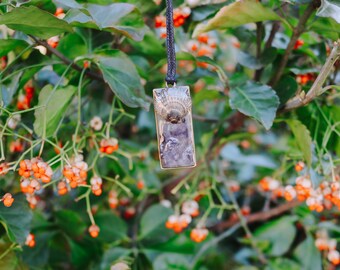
column 174, row 127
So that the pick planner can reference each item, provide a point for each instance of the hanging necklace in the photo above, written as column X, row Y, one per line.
column 173, row 111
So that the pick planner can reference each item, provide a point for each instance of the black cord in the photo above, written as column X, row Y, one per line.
column 170, row 44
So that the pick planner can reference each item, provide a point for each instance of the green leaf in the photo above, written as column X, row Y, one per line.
column 55, row 103
column 326, row 27
column 16, row 219
column 283, row 263
column 255, row 100
column 286, row 88
column 329, row 9
column 70, row 222
column 111, row 255
column 8, row 89
column 38, row 256
column 153, row 223
column 308, row 255
column 302, row 138
column 72, row 46
column 150, row 46
column 121, row 75
column 112, row 227
column 7, row 45
column 236, row 14
column 280, row 233
column 178, row 244
column 171, row 262
column 68, row 3
column 122, row 18
column 34, row 21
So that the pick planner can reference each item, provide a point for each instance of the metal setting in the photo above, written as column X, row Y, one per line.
column 174, row 127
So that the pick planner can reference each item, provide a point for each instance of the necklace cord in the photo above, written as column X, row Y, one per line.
column 170, row 44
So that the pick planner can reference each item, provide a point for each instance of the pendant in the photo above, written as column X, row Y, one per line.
column 174, row 127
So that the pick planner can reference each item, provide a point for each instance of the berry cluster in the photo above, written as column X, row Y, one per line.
column 30, row 240
column 96, row 185
column 76, row 172
column 25, row 99
column 36, row 168
column 303, row 79
column 328, row 246
column 204, row 45
column 179, row 16
column 199, row 234
column 177, row 223
column 108, row 146
column 325, row 196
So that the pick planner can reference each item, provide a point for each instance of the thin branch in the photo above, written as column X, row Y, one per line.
column 66, row 60
column 297, row 31
column 275, row 28
column 316, row 88
column 259, row 216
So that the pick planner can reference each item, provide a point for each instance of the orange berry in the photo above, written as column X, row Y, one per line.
column 199, row 234
column 30, row 240
column 94, row 231
column 203, row 38
column 8, row 199
column 62, row 188
column 140, row 184
column 299, row 166
column 58, row 11
column 245, row 210
column 298, row 44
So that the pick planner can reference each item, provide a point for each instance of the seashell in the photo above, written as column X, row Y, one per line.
column 173, row 104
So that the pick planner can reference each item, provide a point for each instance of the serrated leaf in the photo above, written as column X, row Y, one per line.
column 16, row 219
column 329, row 9
column 34, row 21
column 255, row 100
column 55, row 104
column 280, row 233
column 70, row 222
column 112, row 227
column 153, row 222
column 302, row 138
column 122, row 18
column 121, row 75
column 236, row 14
column 308, row 255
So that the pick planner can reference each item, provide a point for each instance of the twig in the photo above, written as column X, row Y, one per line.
column 260, row 216
column 297, row 31
column 67, row 61
column 275, row 28
column 316, row 88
